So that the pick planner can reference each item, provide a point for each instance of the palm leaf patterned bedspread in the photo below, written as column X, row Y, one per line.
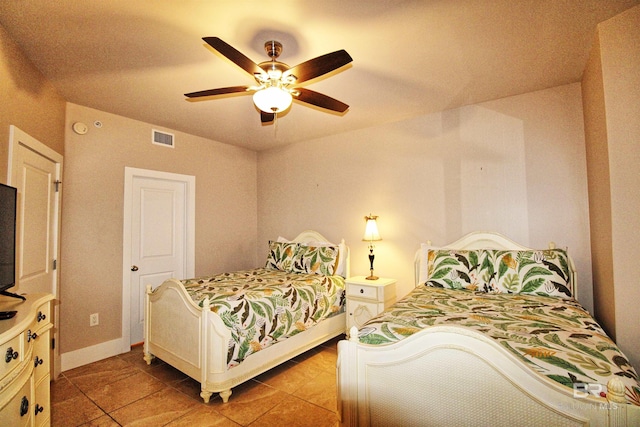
column 555, row 337
column 263, row 306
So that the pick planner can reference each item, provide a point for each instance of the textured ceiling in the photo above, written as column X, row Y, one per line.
column 138, row 58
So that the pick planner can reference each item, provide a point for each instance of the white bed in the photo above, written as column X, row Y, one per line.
column 447, row 375
column 195, row 340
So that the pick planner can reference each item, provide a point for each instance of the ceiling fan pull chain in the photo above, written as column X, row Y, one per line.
column 275, row 124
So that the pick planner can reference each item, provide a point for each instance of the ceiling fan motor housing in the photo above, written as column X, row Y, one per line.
column 273, row 49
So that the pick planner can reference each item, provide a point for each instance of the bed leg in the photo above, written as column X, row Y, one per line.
column 205, row 395
column 148, row 357
column 225, row 395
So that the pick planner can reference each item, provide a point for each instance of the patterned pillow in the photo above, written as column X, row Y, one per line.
column 315, row 260
column 455, row 269
column 281, row 255
column 543, row 272
column 341, row 269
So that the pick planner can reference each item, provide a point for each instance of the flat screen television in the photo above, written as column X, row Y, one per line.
column 8, row 200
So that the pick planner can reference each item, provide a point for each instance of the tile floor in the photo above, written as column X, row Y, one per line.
column 124, row 391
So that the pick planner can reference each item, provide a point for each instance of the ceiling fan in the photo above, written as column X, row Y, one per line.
column 276, row 80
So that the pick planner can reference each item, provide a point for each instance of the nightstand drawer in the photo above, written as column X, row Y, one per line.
column 368, row 292
column 380, row 290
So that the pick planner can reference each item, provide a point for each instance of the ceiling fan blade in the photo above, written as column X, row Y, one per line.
column 219, row 91
column 320, row 100
column 267, row 117
column 234, row 55
column 318, row 66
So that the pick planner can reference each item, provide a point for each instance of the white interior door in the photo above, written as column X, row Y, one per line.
column 35, row 182
column 35, row 170
column 159, row 239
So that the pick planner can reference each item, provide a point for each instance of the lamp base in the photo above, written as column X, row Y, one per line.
column 372, row 277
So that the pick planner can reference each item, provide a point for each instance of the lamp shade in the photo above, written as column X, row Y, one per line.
column 371, row 229
column 272, row 99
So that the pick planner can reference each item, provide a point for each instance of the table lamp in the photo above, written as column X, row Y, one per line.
column 370, row 235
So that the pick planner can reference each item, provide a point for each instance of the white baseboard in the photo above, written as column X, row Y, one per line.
column 84, row 356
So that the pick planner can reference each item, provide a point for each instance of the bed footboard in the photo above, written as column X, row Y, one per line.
column 172, row 328
column 195, row 341
column 449, row 376
column 182, row 334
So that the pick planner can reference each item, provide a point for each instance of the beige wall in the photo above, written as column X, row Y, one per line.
column 515, row 165
column 613, row 88
column 28, row 101
column 91, row 267
column 599, row 191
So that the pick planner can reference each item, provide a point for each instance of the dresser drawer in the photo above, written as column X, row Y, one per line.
column 43, row 318
column 11, row 355
column 41, row 406
column 18, row 411
column 41, row 356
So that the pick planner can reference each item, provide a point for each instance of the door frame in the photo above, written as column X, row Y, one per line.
column 190, row 233
column 18, row 137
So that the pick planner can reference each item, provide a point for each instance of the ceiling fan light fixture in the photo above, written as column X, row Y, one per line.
column 272, row 99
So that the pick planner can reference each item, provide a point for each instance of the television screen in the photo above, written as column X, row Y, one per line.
column 7, row 236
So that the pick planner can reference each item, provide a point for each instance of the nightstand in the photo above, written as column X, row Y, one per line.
column 368, row 298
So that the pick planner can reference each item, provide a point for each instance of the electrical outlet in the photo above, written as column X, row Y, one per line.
column 93, row 319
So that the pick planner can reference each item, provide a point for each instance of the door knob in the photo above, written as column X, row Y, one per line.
column 134, row 268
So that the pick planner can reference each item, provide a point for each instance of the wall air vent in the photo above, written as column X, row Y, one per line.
column 162, row 138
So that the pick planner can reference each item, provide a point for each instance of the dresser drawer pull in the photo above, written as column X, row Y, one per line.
column 361, row 291
column 11, row 355
column 31, row 336
column 37, row 362
column 24, row 406
column 39, row 409
column 41, row 316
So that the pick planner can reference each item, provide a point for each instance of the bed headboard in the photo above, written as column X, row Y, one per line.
column 482, row 240
column 311, row 236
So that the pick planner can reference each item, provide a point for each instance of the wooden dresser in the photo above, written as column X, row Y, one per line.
column 25, row 361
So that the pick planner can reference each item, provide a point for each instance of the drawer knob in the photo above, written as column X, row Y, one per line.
column 361, row 291
column 37, row 362
column 24, row 406
column 31, row 336
column 39, row 409
column 41, row 316
column 11, row 355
